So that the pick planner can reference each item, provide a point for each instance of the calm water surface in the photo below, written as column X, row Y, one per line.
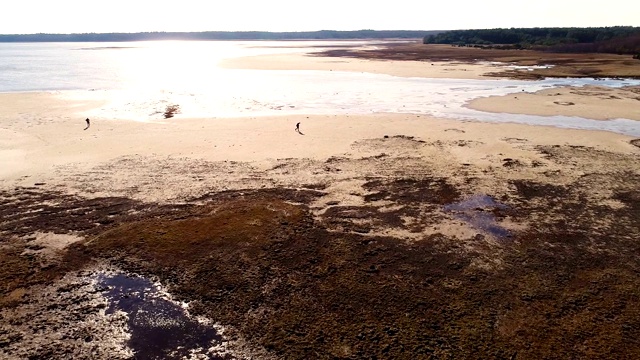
column 139, row 79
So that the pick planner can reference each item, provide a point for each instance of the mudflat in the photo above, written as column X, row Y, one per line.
column 552, row 64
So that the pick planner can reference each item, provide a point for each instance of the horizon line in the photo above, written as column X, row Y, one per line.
column 303, row 31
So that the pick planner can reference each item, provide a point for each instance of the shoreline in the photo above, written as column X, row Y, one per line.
column 589, row 107
column 54, row 137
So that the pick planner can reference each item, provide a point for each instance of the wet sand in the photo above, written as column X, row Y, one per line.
column 402, row 68
column 592, row 102
column 387, row 235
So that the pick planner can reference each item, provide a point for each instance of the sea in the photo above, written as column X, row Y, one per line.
column 138, row 80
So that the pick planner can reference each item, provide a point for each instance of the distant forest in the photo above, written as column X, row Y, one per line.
column 617, row 39
column 219, row 35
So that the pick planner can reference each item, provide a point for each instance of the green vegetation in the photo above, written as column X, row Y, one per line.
column 218, row 35
column 618, row 39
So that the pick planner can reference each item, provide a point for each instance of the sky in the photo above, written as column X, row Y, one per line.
column 82, row 16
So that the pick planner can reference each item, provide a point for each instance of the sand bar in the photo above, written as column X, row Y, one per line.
column 591, row 102
column 447, row 69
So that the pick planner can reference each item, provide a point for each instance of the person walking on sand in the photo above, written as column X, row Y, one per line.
column 298, row 127
column 88, row 123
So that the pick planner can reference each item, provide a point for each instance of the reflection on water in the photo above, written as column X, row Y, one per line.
column 477, row 211
column 141, row 65
column 243, row 93
column 140, row 79
column 160, row 329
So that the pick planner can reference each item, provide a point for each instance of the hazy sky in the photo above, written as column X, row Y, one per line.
column 82, row 16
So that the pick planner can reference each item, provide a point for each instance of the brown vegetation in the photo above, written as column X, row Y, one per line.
column 564, row 64
column 171, row 110
column 315, row 287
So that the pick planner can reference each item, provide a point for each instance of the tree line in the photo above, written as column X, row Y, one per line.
column 616, row 39
column 218, row 35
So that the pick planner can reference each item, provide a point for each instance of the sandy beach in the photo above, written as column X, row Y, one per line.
column 49, row 145
column 389, row 235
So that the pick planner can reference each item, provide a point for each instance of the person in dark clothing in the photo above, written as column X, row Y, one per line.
column 88, row 123
column 298, row 127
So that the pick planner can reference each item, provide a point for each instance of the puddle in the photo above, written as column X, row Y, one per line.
column 159, row 328
column 477, row 211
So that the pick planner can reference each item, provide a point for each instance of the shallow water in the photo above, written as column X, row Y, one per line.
column 262, row 93
column 159, row 328
column 139, row 80
column 477, row 212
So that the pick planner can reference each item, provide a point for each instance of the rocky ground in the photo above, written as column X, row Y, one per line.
column 377, row 257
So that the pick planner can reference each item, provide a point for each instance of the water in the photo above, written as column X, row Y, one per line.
column 144, row 65
column 139, row 79
column 477, row 211
column 159, row 328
